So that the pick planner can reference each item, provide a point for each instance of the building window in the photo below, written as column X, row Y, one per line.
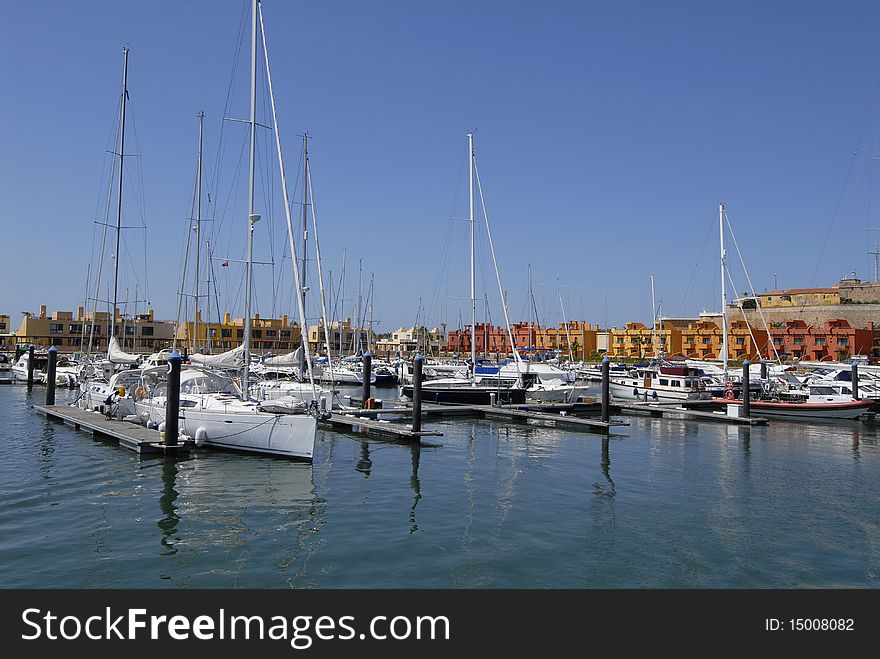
column 270, row 333
column 820, row 341
column 707, row 341
column 740, row 341
column 285, row 334
column 240, row 334
column 777, row 340
column 226, row 333
column 257, row 334
column 129, row 330
column 74, row 329
column 690, row 340
column 843, row 341
column 799, row 340
column 56, row 328
column 147, row 330
column 212, row 332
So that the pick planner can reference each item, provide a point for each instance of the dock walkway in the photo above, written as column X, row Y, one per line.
column 129, row 435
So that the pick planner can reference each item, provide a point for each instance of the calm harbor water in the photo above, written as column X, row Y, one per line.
column 669, row 504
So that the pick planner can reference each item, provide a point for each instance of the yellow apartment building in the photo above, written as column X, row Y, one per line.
column 277, row 335
column 68, row 331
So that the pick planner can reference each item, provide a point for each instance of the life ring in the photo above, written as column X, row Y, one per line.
column 729, row 394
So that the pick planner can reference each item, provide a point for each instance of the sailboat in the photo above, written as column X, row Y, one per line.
column 660, row 381
column 114, row 375
column 214, row 409
column 813, row 401
column 491, row 387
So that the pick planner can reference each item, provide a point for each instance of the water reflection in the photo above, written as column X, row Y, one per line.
column 605, row 489
column 365, row 464
column 47, row 448
column 225, row 515
column 168, row 523
column 416, row 452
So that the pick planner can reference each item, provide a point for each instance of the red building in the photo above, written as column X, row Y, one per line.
column 836, row 340
column 489, row 339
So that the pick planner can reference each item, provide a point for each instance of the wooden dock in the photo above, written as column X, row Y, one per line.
column 535, row 412
column 560, row 420
column 129, row 435
column 355, row 422
column 667, row 411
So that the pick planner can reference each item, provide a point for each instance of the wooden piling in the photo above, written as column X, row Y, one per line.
column 855, row 381
column 746, row 393
column 30, row 371
column 368, row 363
column 417, row 394
column 606, row 388
column 172, row 399
column 50, row 376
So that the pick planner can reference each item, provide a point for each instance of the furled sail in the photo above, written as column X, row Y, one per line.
column 232, row 359
column 294, row 358
column 117, row 356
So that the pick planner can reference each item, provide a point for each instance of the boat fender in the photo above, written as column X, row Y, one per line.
column 635, row 393
column 654, row 395
column 201, row 436
column 161, row 428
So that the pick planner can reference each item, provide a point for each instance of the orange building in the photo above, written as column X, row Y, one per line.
column 636, row 340
column 704, row 339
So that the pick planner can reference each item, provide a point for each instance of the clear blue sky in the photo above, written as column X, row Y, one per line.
column 607, row 133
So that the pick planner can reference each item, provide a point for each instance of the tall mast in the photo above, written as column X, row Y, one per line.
column 252, row 218
column 357, row 346
column 723, row 290
column 119, row 191
column 653, row 318
column 531, row 311
column 473, row 287
column 305, row 195
column 565, row 322
column 342, row 302
column 305, row 214
column 201, row 117
column 306, row 362
column 370, row 326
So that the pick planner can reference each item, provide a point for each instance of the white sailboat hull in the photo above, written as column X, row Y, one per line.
column 241, row 428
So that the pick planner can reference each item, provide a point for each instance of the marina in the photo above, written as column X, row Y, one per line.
column 666, row 503
column 282, row 328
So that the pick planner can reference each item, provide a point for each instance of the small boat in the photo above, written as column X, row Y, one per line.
column 457, row 391
column 5, row 369
column 555, row 391
column 20, row 368
column 820, row 402
column 659, row 384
